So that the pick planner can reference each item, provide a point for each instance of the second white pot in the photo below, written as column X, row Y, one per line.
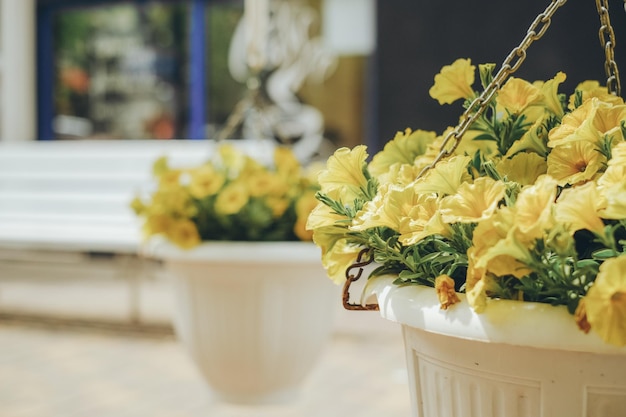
column 254, row 316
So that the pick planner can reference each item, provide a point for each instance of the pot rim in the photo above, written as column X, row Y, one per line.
column 234, row 251
column 511, row 322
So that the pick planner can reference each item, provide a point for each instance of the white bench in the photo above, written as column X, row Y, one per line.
column 65, row 215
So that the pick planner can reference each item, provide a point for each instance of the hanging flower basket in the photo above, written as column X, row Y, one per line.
column 252, row 306
column 499, row 245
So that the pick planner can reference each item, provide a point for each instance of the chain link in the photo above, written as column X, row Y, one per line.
column 607, row 40
column 512, row 62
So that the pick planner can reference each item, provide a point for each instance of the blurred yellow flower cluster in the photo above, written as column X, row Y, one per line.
column 230, row 197
column 531, row 206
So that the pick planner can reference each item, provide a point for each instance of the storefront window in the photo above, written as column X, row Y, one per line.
column 136, row 69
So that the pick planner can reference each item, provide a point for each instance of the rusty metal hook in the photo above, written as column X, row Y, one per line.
column 360, row 263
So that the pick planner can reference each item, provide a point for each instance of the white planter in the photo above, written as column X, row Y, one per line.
column 513, row 360
column 254, row 316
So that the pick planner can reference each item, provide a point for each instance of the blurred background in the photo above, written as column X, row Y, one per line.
column 160, row 69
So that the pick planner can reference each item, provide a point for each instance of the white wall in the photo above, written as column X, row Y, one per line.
column 18, row 120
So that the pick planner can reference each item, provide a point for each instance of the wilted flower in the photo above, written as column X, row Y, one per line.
column 444, row 285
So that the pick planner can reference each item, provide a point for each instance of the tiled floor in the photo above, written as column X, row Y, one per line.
column 59, row 372
column 69, row 349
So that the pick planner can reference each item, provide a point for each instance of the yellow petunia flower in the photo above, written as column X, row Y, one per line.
column 423, row 220
column 402, row 149
column 607, row 120
column 232, row 199
column 473, row 202
column 323, row 216
column 339, row 259
column 615, row 196
column 389, row 207
column 575, row 163
column 170, row 179
column 304, row 206
column 469, row 145
column 605, row 303
column 205, row 181
column 496, row 247
column 300, row 230
column 614, row 174
column 287, row 165
column 175, row 202
column 344, row 171
column 612, row 184
column 507, row 257
column 250, row 169
column 550, row 90
column 579, row 207
column 524, row 168
column 160, row 166
column 326, row 237
column 591, row 122
column 517, row 94
column 533, row 141
column 570, row 129
column 618, row 154
column 156, row 224
column 266, row 183
column 534, row 208
column 399, row 175
column 184, row 234
column 477, row 283
column 445, row 178
column 278, row 205
column 591, row 89
column 560, row 240
column 234, row 184
column 373, row 214
column 231, row 158
column 454, row 82
column 138, row 206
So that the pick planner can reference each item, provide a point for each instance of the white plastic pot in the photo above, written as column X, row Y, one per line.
column 515, row 359
column 254, row 316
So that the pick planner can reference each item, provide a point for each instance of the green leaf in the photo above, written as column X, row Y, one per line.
column 586, row 263
column 604, row 254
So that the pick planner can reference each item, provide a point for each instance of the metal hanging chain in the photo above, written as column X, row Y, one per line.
column 364, row 258
column 252, row 100
column 607, row 40
column 509, row 66
column 453, row 138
